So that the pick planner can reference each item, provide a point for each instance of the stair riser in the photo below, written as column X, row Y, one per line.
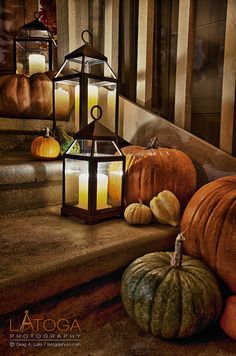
column 30, row 196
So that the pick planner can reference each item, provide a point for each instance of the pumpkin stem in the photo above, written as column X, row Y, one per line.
column 140, row 201
column 176, row 260
column 153, row 143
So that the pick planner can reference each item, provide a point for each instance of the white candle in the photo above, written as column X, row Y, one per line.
column 102, row 189
column 62, row 104
column 111, row 104
column 83, row 191
column 77, row 104
column 92, row 100
column 36, row 63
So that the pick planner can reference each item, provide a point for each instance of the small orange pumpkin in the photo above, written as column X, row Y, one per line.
column 45, row 147
column 138, row 214
column 151, row 170
column 228, row 318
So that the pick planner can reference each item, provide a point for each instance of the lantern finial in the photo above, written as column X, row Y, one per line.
column 37, row 15
column 90, row 42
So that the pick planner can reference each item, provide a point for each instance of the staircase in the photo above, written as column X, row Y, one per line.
column 40, row 247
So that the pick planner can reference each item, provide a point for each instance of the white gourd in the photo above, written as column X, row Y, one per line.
column 166, row 208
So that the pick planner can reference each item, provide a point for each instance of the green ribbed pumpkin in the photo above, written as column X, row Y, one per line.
column 170, row 295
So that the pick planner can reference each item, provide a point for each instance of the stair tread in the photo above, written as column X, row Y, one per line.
column 20, row 167
column 46, row 254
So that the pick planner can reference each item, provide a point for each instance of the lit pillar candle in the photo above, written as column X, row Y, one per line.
column 83, row 191
column 102, row 189
column 36, row 63
column 111, row 104
column 62, row 102
column 77, row 104
column 92, row 100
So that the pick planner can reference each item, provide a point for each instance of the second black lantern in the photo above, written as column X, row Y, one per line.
column 85, row 79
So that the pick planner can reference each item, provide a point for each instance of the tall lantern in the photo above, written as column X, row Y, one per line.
column 34, row 48
column 93, row 174
column 85, row 79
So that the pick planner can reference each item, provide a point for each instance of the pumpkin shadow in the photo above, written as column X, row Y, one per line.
column 210, row 334
column 213, row 335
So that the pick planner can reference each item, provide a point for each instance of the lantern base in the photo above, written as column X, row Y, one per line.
column 91, row 219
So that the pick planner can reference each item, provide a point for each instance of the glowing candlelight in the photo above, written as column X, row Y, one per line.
column 102, row 189
column 92, row 100
column 62, row 102
column 36, row 63
column 77, row 104
column 111, row 104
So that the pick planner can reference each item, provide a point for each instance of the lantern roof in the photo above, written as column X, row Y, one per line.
column 35, row 25
column 95, row 131
column 86, row 51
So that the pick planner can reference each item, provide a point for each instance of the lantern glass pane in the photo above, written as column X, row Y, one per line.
column 109, row 184
column 98, row 67
column 81, row 148
column 102, row 93
column 54, row 57
column 76, row 183
column 32, row 57
column 106, row 148
column 92, row 98
column 70, row 67
column 33, row 34
column 30, row 34
column 66, row 100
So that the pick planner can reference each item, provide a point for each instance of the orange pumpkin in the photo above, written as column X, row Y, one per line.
column 45, row 147
column 23, row 96
column 228, row 318
column 209, row 226
column 151, row 170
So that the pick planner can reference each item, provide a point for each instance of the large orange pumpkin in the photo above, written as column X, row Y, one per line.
column 151, row 170
column 23, row 96
column 209, row 225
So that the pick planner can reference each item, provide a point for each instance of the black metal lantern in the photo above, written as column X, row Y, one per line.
column 34, row 48
column 93, row 174
column 85, row 79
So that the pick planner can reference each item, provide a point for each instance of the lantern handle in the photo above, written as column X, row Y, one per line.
column 37, row 15
column 100, row 112
column 90, row 36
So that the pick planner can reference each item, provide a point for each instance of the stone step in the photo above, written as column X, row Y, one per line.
column 45, row 254
column 26, row 183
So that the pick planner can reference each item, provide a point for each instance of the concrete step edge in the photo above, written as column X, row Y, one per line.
column 33, row 172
